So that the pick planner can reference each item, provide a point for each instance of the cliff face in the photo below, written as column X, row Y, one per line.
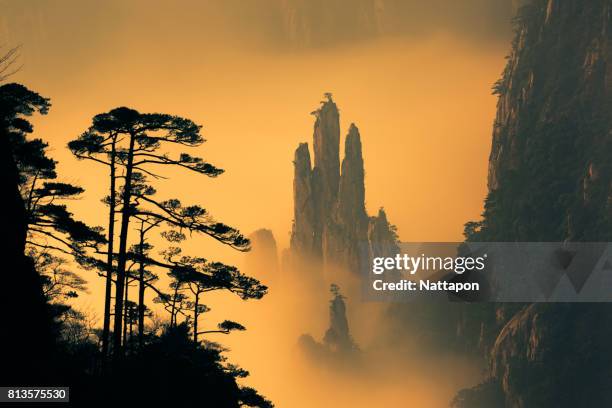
column 331, row 226
column 303, row 233
column 347, row 232
column 550, row 179
column 549, row 168
column 555, row 355
column 326, row 171
column 382, row 236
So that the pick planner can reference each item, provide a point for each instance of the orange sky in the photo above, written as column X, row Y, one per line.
column 423, row 106
column 424, row 111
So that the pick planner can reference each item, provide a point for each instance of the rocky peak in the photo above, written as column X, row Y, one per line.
column 301, row 160
column 330, row 219
column 338, row 345
column 382, row 236
column 326, row 143
column 303, row 232
column 338, row 337
column 351, row 198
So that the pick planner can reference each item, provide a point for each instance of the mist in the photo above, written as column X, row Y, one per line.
column 414, row 76
column 269, row 25
column 381, row 373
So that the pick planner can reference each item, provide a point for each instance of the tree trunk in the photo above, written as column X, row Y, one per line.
column 122, row 259
column 195, row 317
column 131, row 343
column 109, row 260
column 125, row 311
column 141, row 292
column 173, row 311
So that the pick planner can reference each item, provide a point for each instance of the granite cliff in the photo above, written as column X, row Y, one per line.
column 550, row 168
column 550, row 179
column 331, row 228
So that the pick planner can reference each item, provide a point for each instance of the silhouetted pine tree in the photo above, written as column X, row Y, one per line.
column 139, row 140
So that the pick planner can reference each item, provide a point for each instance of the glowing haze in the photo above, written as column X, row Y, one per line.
column 418, row 86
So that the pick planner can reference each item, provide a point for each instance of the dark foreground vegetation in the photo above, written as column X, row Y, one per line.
column 137, row 356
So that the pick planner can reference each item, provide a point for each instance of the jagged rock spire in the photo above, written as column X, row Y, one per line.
column 338, row 337
column 351, row 196
column 303, row 233
column 381, row 236
column 326, row 143
column 347, row 236
column 330, row 220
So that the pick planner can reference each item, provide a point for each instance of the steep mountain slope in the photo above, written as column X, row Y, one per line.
column 550, row 179
column 550, row 168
